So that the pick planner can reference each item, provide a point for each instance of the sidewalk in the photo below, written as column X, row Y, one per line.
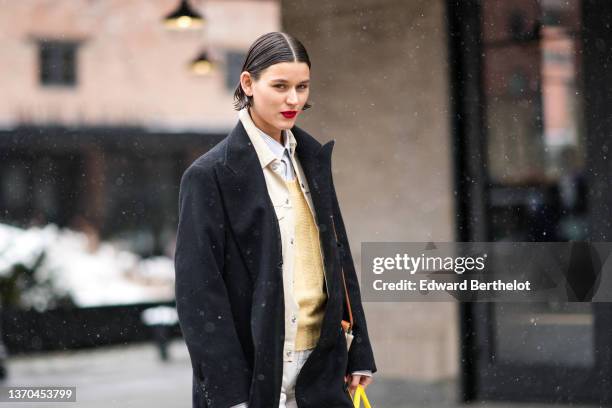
column 134, row 377
column 122, row 376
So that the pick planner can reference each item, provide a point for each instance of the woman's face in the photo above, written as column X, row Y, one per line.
column 278, row 95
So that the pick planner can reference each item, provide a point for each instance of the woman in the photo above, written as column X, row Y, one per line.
column 262, row 250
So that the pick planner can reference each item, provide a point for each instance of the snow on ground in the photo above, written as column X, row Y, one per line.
column 105, row 276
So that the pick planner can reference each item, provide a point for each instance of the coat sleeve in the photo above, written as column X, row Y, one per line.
column 360, row 355
column 202, row 301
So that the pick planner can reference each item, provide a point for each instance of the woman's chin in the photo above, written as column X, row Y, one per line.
column 287, row 123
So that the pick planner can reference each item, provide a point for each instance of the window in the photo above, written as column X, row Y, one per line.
column 234, row 61
column 57, row 63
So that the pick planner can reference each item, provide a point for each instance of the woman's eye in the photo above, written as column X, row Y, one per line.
column 282, row 86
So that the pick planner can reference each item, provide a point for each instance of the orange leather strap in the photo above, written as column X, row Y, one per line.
column 346, row 326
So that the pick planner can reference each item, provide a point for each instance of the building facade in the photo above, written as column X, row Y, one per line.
column 101, row 114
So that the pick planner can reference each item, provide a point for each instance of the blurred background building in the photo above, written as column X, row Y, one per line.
column 472, row 120
column 102, row 111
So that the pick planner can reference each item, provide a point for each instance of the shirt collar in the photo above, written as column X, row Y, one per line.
column 266, row 147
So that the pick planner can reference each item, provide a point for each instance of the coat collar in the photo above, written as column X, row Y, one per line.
column 266, row 147
column 241, row 154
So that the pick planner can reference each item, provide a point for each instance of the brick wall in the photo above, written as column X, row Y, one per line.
column 131, row 70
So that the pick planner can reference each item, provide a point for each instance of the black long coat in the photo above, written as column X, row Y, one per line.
column 229, row 283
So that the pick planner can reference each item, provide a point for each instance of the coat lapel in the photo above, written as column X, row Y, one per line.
column 248, row 205
column 255, row 228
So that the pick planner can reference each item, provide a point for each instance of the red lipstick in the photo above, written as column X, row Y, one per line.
column 289, row 114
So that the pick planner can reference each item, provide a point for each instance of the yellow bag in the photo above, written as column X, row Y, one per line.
column 358, row 395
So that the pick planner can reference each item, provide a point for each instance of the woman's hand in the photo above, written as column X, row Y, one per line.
column 355, row 380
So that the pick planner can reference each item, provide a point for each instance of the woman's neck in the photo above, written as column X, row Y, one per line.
column 275, row 134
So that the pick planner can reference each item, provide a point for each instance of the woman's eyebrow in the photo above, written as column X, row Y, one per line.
column 284, row 80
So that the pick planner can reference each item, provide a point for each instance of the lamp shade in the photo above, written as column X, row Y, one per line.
column 201, row 65
column 184, row 17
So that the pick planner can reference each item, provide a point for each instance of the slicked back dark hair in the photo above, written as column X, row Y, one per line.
column 269, row 49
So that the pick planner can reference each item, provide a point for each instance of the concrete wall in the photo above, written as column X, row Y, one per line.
column 380, row 89
column 131, row 69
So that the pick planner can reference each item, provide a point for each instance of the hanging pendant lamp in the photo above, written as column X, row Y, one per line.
column 201, row 65
column 184, row 18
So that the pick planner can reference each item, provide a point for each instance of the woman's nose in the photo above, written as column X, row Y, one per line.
column 292, row 98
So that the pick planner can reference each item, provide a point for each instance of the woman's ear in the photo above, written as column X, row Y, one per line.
column 246, row 82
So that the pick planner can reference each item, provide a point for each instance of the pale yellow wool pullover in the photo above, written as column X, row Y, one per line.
column 308, row 278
